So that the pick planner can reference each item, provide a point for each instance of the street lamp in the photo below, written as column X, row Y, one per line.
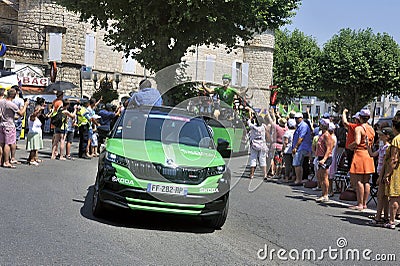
column 95, row 78
column 117, row 78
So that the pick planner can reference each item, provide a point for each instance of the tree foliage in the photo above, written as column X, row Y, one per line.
column 296, row 68
column 358, row 66
column 157, row 33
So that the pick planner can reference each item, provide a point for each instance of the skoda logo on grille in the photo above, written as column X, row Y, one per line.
column 170, row 161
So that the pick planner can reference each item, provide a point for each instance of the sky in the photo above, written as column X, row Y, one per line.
column 322, row 19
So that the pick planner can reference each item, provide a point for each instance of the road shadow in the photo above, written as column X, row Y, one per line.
column 352, row 219
column 143, row 220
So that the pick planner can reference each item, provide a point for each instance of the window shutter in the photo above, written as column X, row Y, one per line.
column 245, row 74
column 210, row 67
column 55, row 46
column 234, row 75
column 129, row 65
column 90, row 47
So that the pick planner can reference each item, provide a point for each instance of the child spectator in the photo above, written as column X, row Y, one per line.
column 94, row 137
column 287, row 151
column 385, row 137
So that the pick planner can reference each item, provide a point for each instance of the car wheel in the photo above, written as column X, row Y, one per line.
column 217, row 221
column 98, row 208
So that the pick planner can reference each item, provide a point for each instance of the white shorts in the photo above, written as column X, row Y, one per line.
column 261, row 156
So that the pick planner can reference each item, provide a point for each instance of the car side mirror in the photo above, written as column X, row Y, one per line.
column 222, row 147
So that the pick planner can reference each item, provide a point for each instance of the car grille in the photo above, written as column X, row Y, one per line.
column 159, row 172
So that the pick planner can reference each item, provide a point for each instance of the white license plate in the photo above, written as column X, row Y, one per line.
column 166, row 189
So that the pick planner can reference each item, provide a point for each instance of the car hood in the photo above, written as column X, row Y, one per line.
column 166, row 154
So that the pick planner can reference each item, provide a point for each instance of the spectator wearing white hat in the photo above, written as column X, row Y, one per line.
column 287, row 151
column 362, row 165
column 301, row 147
column 324, row 155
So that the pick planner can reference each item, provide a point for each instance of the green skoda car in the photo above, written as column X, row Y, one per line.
column 162, row 159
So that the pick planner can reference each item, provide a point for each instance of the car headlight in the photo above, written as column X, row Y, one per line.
column 111, row 157
column 216, row 170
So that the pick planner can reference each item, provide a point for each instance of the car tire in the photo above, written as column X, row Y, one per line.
column 98, row 209
column 217, row 221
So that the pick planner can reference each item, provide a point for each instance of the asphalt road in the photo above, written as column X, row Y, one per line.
column 45, row 219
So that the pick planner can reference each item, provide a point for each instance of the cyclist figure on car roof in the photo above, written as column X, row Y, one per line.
column 225, row 93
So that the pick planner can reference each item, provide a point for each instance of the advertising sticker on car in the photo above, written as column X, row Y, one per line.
column 166, row 189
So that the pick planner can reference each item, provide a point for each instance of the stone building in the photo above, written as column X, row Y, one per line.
column 37, row 32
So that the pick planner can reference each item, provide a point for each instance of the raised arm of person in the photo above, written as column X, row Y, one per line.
column 344, row 118
column 209, row 90
column 270, row 117
column 22, row 111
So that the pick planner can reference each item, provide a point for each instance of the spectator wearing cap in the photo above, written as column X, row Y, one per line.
column 89, row 114
column 326, row 116
column 324, row 155
column 280, row 129
column 83, row 125
column 146, row 95
column 301, row 146
column 224, row 94
column 385, row 137
column 287, row 151
column 362, row 165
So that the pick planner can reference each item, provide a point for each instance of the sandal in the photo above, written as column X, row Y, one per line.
column 357, row 208
column 9, row 166
column 15, row 162
column 389, row 226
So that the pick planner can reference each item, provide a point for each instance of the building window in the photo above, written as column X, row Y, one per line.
column 210, row 67
column 236, row 73
column 129, row 65
column 240, row 72
column 55, row 46
column 90, row 49
column 318, row 110
column 378, row 111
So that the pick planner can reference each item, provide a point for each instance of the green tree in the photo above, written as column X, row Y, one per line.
column 157, row 33
column 296, row 64
column 357, row 66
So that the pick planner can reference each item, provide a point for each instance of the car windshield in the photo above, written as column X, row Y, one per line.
column 166, row 128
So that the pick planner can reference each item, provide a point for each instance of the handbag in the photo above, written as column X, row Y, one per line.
column 257, row 144
column 348, row 195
